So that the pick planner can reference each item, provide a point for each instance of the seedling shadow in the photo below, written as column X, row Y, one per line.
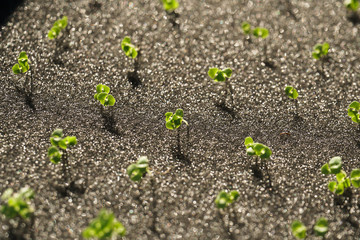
column 226, row 227
column 222, row 106
column 110, row 122
column 133, row 77
column 94, row 6
column 270, row 64
column 354, row 18
column 22, row 228
column 73, row 187
column 27, row 92
column 173, row 17
column 259, row 175
column 61, row 46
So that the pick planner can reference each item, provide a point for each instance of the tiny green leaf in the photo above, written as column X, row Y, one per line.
column 16, row 69
column 246, row 27
column 174, row 121
column 212, row 72
column 291, row 92
column 170, row 5
column 320, row 50
column 248, row 140
column 261, row 32
column 335, row 165
column 352, row 5
column 332, row 186
column 219, row 75
column 104, row 226
column 57, row 27
column 110, row 100
column 129, row 49
column 321, row 227
column 353, row 111
column 298, row 229
column 355, row 177
column 325, row 169
column 137, row 170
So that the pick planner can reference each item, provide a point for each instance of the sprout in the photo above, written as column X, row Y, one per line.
column 23, row 64
column 102, row 94
column 352, row 5
column 333, row 167
column 105, row 226
column 320, row 50
column 17, row 204
column 224, row 199
column 129, row 49
column 173, row 121
column 55, row 152
column 246, row 27
column 355, row 177
column 291, row 92
column 170, row 5
column 261, row 32
column 321, row 227
column 257, row 149
column 298, row 229
column 220, row 76
column 342, row 181
column 57, row 27
column 353, row 111
column 137, row 170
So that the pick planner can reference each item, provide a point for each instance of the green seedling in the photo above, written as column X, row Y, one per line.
column 23, row 64
column 17, row 204
column 342, row 181
column 59, row 145
column 257, row 149
column 321, row 227
column 21, row 68
column 352, row 5
column 137, row 170
column 104, row 226
column 353, row 111
column 299, row 230
column 355, row 178
column 224, row 199
column 129, row 49
column 222, row 76
column 320, row 50
column 174, row 121
column 103, row 96
column 170, row 5
column 292, row 93
column 246, row 27
column 262, row 33
column 57, row 27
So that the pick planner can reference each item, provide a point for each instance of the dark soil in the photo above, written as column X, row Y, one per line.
column 172, row 73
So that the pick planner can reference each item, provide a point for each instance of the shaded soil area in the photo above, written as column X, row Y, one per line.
column 171, row 72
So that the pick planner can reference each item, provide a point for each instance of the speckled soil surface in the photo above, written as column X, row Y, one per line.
column 176, row 54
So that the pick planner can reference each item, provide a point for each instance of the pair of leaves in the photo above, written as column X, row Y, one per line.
column 23, row 64
column 58, row 142
column 17, row 204
column 170, row 5
column 342, row 181
column 129, row 49
column 103, row 96
column 320, row 50
column 104, row 226
column 299, row 230
column 353, row 111
column 257, row 149
column 137, row 170
column 352, row 5
column 219, row 75
column 174, row 121
column 224, row 199
column 57, row 27
column 291, row 92
column 257, row 32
